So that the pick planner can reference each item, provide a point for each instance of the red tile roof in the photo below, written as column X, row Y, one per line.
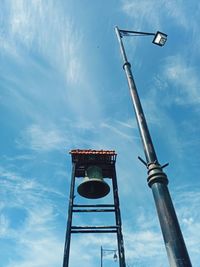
column 92, row 152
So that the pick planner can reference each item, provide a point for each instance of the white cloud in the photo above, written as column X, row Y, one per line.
column 53, row 80
column 72, row 133
column 141, row 11
column 40, row 139
column 130, row 123
column 146, row 243
column 19, row 190
column 187, row 201
column 38, row 246
column 53, row 137
column 45, row 28
column 116, row 131
column 37, row 235
column 185, row 80
column 4, row 225
column 153, row 12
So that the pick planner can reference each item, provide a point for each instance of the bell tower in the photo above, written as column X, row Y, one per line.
column 93, row 166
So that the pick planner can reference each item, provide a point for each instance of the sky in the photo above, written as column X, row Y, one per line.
column 62, row 87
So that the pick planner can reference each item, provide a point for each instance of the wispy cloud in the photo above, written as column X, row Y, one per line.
column 151, row 13
column 71, row 133
column 52, row 137
column 138, row 243
column 4, row 225
column 35, row 233
column 141, row 11
column 187, row 204
column 40, row 139
column 49, row 47
column 36, row 240
column 117, row 131
column 185, row 80
column 17, row 188
column 130, row 123
column 45, row 29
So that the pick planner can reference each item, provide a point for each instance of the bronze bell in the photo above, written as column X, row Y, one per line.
column 93, row 185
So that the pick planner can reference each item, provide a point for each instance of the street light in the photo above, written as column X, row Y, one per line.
column 157, row 179
column 108, row 251
column 160, row 38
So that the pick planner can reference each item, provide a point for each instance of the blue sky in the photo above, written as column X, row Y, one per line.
column 62, row 87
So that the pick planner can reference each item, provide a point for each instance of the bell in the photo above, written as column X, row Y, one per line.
column 93, row 185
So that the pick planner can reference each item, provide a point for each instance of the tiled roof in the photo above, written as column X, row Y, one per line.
column 92, row 152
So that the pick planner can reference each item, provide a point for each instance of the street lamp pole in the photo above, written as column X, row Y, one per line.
column 101, row 256
column 157, row 179
column 108, row 250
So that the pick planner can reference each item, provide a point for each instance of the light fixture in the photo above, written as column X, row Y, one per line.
column 115, row 256
column 105, row 252
column 160, row 38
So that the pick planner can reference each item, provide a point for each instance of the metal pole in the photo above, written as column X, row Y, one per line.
column 120, row 241
column 157, row 179
column 69, row 221
column 101, row 256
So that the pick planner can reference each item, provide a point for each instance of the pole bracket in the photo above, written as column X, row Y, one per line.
column 165, row 165
column 143, row 161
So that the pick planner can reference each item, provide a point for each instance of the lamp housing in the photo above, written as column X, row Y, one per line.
column 115, row 256
column 160, row 38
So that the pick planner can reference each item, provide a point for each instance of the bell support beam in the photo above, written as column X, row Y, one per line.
column 118, row 221
column 95, row 210
column 69, row 221
column 93, row 231
column 95, row 227
column 95, row 206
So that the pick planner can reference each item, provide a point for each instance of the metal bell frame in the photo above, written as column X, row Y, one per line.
column 106, row 159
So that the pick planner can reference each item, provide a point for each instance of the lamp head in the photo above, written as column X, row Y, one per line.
column 160, row 38
column 115, row 256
